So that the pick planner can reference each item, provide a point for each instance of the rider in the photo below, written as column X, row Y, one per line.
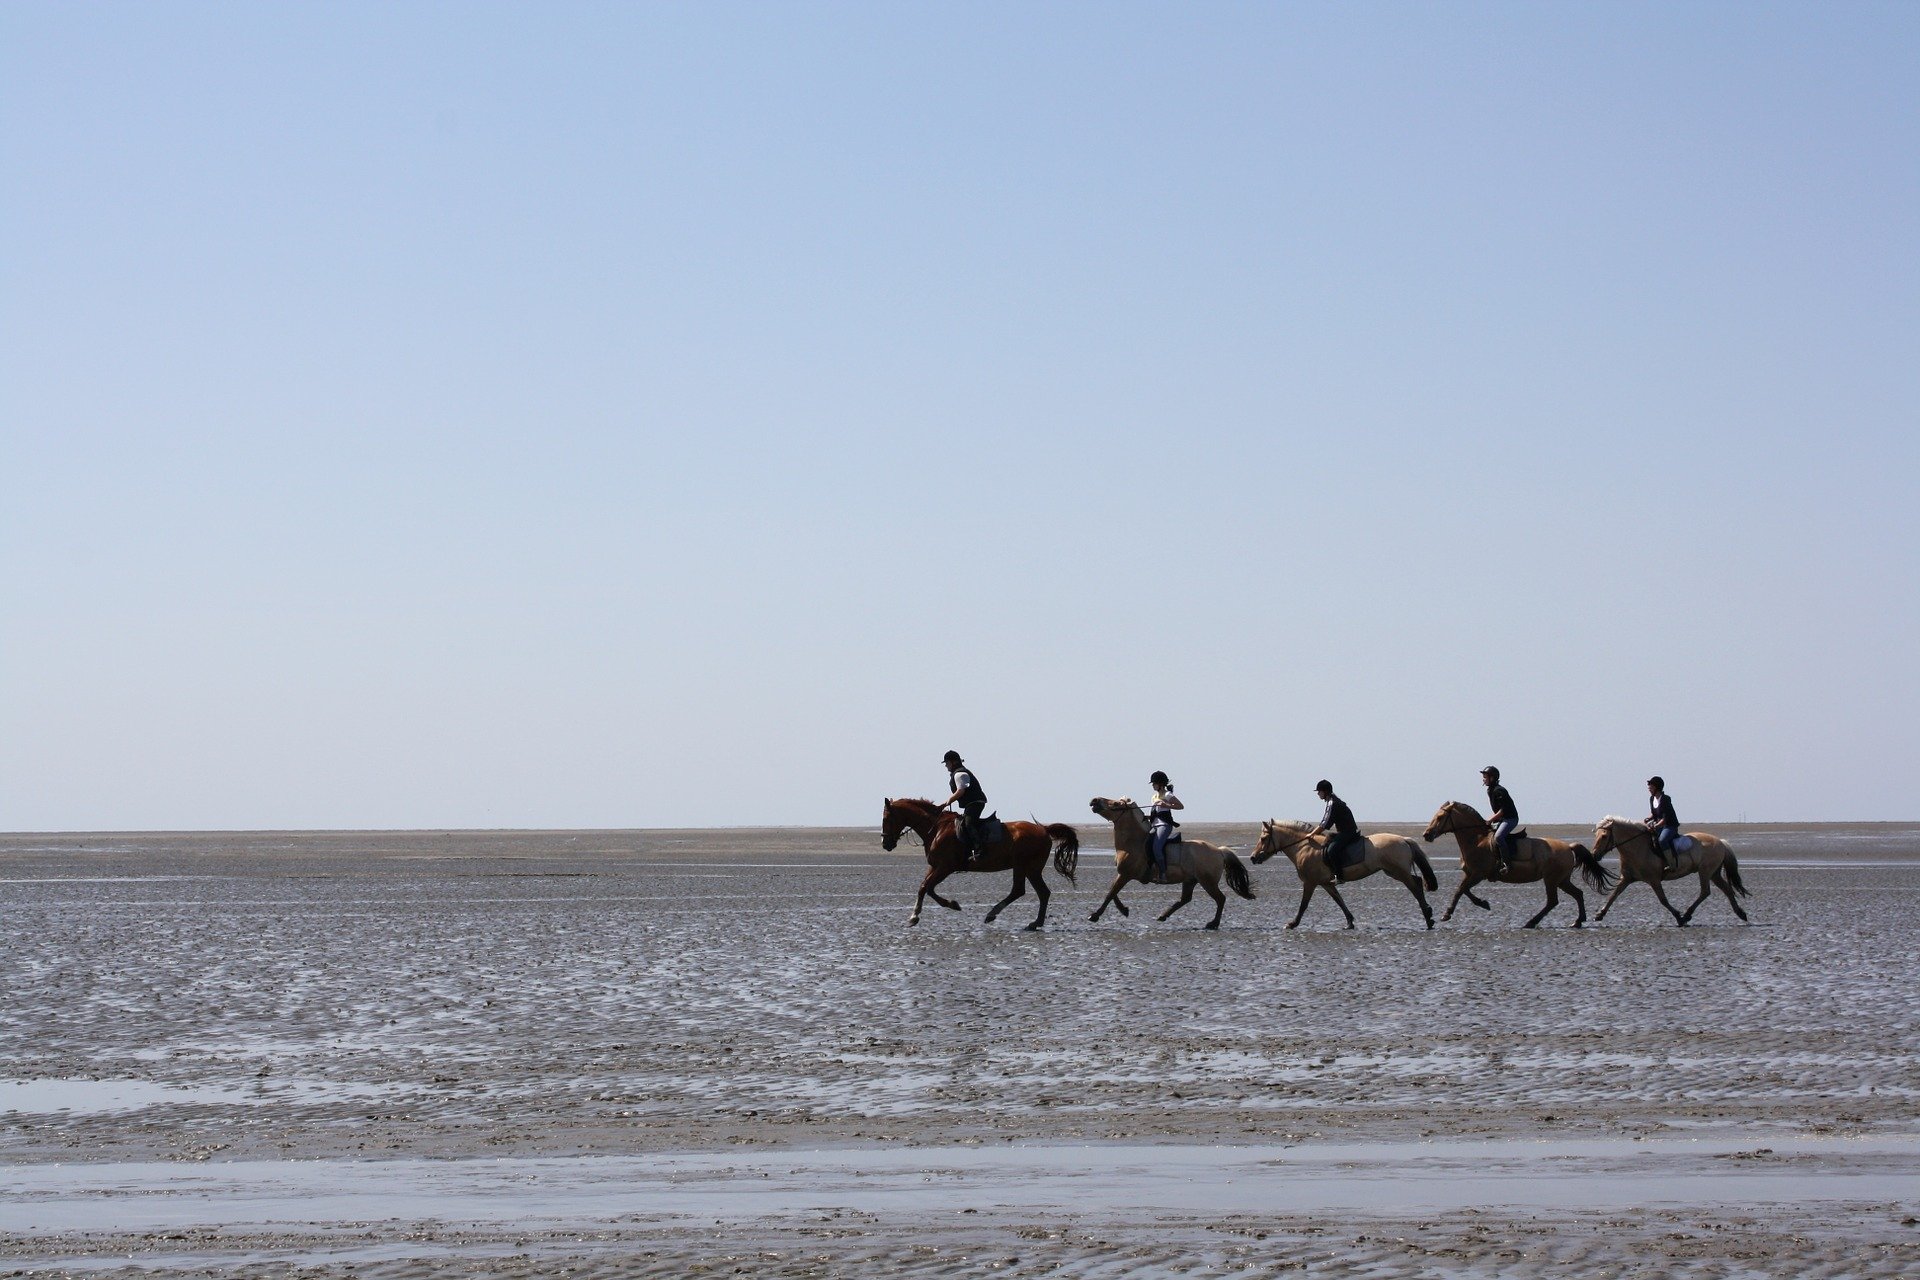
column 1505, row 818
column 1338, row 821
column 972, row 800
column 1160, row 815
column 1664, row 827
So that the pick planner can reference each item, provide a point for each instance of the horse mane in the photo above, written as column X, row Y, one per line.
column 1289, row 825
column 1614, row 817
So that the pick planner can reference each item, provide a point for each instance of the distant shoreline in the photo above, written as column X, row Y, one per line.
column 1385, row 824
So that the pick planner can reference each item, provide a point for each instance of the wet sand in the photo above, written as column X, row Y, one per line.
column 660, row 1052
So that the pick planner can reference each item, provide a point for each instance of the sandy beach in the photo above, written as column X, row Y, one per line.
column 606, row 1053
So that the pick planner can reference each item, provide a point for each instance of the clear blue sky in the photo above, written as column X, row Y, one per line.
column 498, row 415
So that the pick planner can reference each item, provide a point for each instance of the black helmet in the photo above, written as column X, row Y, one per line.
column 1323, row 785
column 952, row 757
column 1159, row 778
column 1657, row 781
column 1491, row 771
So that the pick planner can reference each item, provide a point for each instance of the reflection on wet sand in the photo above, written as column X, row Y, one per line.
column 698, row 1008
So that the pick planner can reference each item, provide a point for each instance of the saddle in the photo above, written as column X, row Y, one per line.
column 1341, row 854
column 992, row 831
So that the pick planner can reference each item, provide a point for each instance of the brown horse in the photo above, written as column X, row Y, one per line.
column 1188, row 862
column 1024, row 851
column 1550, row 861
column 1710, row 859
column 1398, row 856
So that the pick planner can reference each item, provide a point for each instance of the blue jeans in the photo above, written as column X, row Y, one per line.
column 1161, row 835
column 1663, row 842
column 1503, row 838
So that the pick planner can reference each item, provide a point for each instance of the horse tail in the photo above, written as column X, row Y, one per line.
column 1426, row 868
column 1598, row 877
column 1066, row 848
column 1732, row 868
column 1237, row 878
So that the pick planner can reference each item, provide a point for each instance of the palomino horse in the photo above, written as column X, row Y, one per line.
column 1024, row 851
column 1549, row 861
column 1398, row 856
column 1192, row 861
column 1710, row 859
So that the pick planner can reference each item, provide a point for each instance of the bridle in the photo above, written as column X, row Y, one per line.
column 1618, row 845
column 1299, row 838
column 906, row 823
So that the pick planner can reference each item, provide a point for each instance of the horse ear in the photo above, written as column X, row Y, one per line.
column 887, row 801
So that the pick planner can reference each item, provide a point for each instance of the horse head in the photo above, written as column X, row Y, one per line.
column 897, row 818
column 1272, row 835
column 1613, row 831
column 1114, row 810
column 1268, row 845
column 1452, row 816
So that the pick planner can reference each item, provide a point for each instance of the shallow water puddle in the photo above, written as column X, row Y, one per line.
column 1095, row 1180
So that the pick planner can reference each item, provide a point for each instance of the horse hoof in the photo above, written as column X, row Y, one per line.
column 1429, row 922
column 1484, row 906
column 1213, row 924
column 952, row 906
column 913, row 919
column 1349, row 924
column 1094, row 918
column 1579, row 924
column 1032, row 928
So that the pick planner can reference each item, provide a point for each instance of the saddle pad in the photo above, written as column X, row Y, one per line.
column 1684, row 844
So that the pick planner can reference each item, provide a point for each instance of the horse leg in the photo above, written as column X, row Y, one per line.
column 1412, row 881
column 1720, row 879
column 1043, row 893
column 1186, row 896
column 1019, row 888
column 933, row 877
column 1306, row 893
column 1661, row 892
column 1212, row 886
column 1467, row 882
column 1626, row 878
column 1120, row 879
column 1706, row 891
column 1333, row 891
column 1579, row 900
column 1553, row 900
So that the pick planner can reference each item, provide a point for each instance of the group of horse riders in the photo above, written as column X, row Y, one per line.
column 1336, row 823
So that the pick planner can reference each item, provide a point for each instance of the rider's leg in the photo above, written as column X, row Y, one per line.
column 1663, row 845
column 970, row 835
column 1159, row 853
column 1502, row 845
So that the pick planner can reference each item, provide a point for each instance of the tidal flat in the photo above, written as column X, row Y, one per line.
column 674, row 1052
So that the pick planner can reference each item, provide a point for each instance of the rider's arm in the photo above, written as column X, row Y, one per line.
column 1171, row 800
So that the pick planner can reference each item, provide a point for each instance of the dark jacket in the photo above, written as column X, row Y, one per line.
column 1339, row 818
column 973, row 797
column 1503, row 805
column 1661, row 809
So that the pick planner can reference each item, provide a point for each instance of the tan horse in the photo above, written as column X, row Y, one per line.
column 1398, row 856
column 1710, row 859
column 1189, row 862
column 1550, row 861
column 1024, row 851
